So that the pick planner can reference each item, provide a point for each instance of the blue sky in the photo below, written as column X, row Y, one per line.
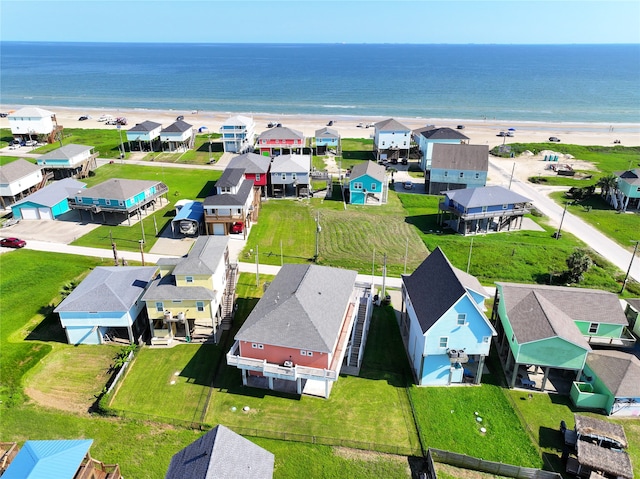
column 327, row 21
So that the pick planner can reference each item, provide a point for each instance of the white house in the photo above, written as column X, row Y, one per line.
column 290, row 175
column 177, row 136
column 238, row 133
column 18, row 179
column 391, row 140
column 142, row 136
column 69, row 160
column 29, row 122
column 234, row 201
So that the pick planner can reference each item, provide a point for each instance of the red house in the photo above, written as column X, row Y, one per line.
column 256, row 168
column 302, row 329
column 280, row 140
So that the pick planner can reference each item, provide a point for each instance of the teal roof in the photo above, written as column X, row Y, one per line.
column 46, row 459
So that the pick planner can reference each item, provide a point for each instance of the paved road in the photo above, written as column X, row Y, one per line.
column 607, row 248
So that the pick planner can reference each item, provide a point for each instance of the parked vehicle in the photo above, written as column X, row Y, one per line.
column 404, row 161
column 502, row 133
column 330, row 123
column 509, row 133
column 407, row 185
column 180, row 118
column 84, row 117
column 111, row 121
column 554, row 139
column 12, row 243
column 31, row 143
column 105, row 118
column 121, row 120
column 460, row 127
column 4, row 115
column 237, row 227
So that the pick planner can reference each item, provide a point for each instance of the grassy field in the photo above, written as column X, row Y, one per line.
column 200, row 154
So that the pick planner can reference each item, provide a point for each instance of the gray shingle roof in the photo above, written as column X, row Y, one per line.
column 54, row 193
column 204, row 257
column 435, row 286
column 619, row 371
column 230, row 177
column 221, row 454
column 165, row 289
column 370, row 168
column 118, row 189
column 444, row 133
column 327, row 132
column 485, row 196
column 109, row 288
column 303, row 308
column 145, row 126
column 31, row 112
column 176, row 127
column 634, row 302
column 17, row 170
column 251, row 162
column 460, row 157
column 281, row 133
column 391, row 124
column 630, row 176
column 238, row 199
column 66, row 152
column 291, row 164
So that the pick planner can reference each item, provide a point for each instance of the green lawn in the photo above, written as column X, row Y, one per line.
column 200, row 154
column 106, row 142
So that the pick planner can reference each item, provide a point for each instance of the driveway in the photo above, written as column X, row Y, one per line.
column 65, row 230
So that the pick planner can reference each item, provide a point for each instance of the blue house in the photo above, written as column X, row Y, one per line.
column 107, row 302
column 457, row 166
column 48, row 203
column 144, row 136
column 367, row 184
column 480, row 210
column 69, row 160
column 327, row 138
column 430, row 135
column 443, row 325
column 118, row 195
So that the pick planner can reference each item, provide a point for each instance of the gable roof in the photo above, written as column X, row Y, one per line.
column 634, row 303
column 444, row 133
column 230, row 177
column 67, row 152
column 281, row 133
column 238, row 120
column 231, row 199
column 327, row 132
column 619, row 371
column 32, row 112
column 204, row 257
column 303, row 308
column 109, row 288
column 145, row 126
column 485, row 196
column 291, row 164
column 631, row 177
column 221, row 454
column 460, row 157
column 45, row 459
column 390, row 124
column 118, row 189
column 435, row 286
column 178, row 126
column 371, row 168
column 54, row 193
column 252, row 163
column 17, row 170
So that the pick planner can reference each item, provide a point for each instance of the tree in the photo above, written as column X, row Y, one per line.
column 579, row 263
column 607, row 184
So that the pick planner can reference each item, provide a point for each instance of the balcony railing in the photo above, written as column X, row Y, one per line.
column 518, row 210
column 626, row 340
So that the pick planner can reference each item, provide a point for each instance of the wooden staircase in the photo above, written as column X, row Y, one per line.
column 357, row 334
column 229, row 297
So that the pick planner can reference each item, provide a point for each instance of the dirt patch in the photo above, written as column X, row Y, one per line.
column 460, row 473
column 368, row 456
column 527, row 166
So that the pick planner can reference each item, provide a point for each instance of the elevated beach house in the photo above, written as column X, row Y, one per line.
column 47, row 203
column 632, row 312
column 484, row 209
column 290, row 175
column 179, row 136
column 627, row 191
column 428, row 136
column 325, row 139
column 298, row 334
column 221, row 453
column 457, row 166
column 144, row 136
column 367, row 184
column 108, row 302
column 18, row 179
column 256, row 169
column 33, row 123
column 552, row 328
column 238, row 134
column 446, row 333
column 280, row 140
column 69, row 161
column 193, row 295
column 391, row 140
column 610, row 382
column 234, row 201
column 118, row 196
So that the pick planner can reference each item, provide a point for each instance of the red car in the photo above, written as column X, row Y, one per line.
column 12, row 243
column 237, row 227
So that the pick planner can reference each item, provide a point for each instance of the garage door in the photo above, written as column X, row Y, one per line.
column 218, row 229
column 45, row 214
column 29, row 213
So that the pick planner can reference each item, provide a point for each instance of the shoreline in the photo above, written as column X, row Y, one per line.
column 479, row 131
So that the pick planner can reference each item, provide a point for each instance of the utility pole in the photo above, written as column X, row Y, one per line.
column 562, row 220
column 512, row 171
column 142, row 250
column 469, row 260
column 257, row 268
column 115, row 253
column 142, row 226
column 318, row 229
column 626, row 278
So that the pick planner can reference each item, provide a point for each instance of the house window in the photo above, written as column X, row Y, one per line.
column 357, row 185
column 284, row 176
column 462, row 319
column 159, row 307
column 294, row 176
column 513, row 338
column 225, row 189
column 486, row 339
column 306, row 353
column 593, row 328
column 188, row 279
column 383, row 143
column 446, row 173
column 477, row 176
column 462, row 174
column 373, row 186
column 444, row 342
column 504, row 207
column 176, row 301
column 257, row 346
column 200, row 306
column 484, row 209
column 257, row 176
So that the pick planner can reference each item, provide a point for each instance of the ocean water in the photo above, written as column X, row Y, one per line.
column 585, row 83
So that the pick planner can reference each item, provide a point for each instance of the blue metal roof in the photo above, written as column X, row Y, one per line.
column 46, row 459
column 190, row 211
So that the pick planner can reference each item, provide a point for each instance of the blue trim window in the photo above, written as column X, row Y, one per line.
column 159, row 307
column 444, row 342
column 188, row 279
column 200, row 306
column 462, row 319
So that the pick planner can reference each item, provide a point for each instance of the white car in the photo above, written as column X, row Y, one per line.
column 31, row 143
column 105, row 118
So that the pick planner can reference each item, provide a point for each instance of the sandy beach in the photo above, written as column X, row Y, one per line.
column 480, row 132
